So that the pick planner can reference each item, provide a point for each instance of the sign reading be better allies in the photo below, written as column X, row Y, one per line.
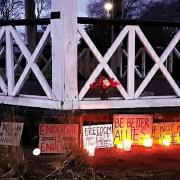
column 10, row 133
column 55, row 138
column 131, row 127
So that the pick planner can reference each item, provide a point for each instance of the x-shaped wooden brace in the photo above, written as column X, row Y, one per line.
column 3, row 85
column 158, row 62
column 102, row 60
column 31, row 63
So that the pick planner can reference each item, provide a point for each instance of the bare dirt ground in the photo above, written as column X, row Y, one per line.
column 156, row 163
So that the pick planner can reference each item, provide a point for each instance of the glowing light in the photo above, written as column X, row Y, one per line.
column 36, row 152
column 91, row 150
column 116, row 141
column 120, row 146
column 108, row 6
column 166, row 141
column 147, row 141
column 127, row 144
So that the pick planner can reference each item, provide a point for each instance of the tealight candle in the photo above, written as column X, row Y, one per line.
column 166, row 141
column 91, row 150
column 127, row 144
column 147, row 141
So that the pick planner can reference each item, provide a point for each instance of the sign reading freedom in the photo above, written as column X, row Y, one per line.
column 10, row 133
column 99, row 136
column 131, row 127
column 169, row 128
column 56, row 138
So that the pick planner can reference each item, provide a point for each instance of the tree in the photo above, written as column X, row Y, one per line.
column 162, row 10
column 30, row 30
column 31, row 7
column 11, row 9
column 104, row 36
column 130, row 8
column 42, row 6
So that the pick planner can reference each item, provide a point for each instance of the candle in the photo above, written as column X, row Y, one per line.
column 127, row 144
column 166, row 141
column 147, row 141
column 91, row 150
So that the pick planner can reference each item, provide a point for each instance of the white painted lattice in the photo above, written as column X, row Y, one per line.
column 132, row 31
column 12, row 88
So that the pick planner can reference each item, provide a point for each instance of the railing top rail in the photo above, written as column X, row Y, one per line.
column 30, row 22
column 109, row 22
column 88, row 20
column 25, row 22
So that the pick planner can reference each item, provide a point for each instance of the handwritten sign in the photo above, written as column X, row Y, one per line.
column 131, row 127
column 99, row 136
column 168, row 128
column 55, row 138
column 10, row 133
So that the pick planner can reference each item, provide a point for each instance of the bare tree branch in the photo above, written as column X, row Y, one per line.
column 11, row 9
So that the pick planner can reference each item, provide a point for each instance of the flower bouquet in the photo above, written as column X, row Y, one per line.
column 104, row 84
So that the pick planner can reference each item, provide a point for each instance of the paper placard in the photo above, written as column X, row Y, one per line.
column 10, row 133
column 99, row 136
column 168, row 128
column 55, row 138
column 131, row 127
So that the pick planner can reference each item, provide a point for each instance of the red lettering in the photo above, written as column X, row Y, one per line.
column 119, row 122
column 128, row 122
column 50, row 147
column 134, row 133
column 146, row 122
column 42, row 130
column 43, row 147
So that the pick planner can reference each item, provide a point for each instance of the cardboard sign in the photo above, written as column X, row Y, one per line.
column 168, row 128
column 131, row 127
column 55, row 138
column 10, row 133
column 99, row 136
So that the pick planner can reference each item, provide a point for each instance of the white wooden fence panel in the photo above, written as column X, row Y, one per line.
column 31, row 63
column 102, row 61
column 158, row 63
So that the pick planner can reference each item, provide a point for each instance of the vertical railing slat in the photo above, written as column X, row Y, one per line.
column 9, row 61
column 131, row 63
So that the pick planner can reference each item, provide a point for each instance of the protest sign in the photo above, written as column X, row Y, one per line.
column 55, row 138
column 10, row 133
column 131, row 127
column 168, row 128
column 99, row 136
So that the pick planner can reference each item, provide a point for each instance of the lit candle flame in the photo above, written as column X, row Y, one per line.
column 166, row 141
column 127, row 144
column 147, row 141
column 91, row 150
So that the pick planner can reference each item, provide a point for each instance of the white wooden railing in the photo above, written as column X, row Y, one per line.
column 131, row 97
column 63, row 92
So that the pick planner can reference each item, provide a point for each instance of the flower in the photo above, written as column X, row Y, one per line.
column 103, row 84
